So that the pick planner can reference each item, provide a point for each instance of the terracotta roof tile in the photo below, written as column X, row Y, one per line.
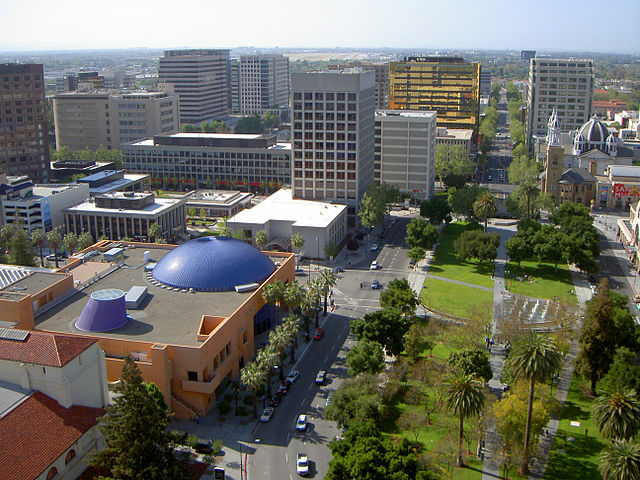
column 49, row 349
column 38, row 431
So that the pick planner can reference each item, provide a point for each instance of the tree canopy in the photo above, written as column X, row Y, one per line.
column 436, row 209
column 366, row 356
column 399, row 294
column 386, row 326
column 462, row 199
column 471, row 361
column 475, row 244
column 452, row 159
column 421, row 233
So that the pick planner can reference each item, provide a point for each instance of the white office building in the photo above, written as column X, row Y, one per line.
column 333, row 136
column 263, row 83
column 405, row 151
column 560, row 84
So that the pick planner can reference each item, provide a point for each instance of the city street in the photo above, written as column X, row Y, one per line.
column 499, row 159
column 276, row 444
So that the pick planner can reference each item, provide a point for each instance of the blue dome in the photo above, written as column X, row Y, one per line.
column 213, row 264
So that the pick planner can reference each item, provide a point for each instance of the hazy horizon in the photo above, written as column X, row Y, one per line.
column 552, row 26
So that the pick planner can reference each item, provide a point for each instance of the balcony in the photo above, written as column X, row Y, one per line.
column 207, row 386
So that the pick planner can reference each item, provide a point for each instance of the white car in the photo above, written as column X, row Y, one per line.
column 293, row 376
column 302, row 464
column 374, row 265
column 266, row 414
column 375, row 247
column 320, row 377
column 301, row 423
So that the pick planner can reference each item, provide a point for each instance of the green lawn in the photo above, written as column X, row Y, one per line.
column 447, row 297
column 447, row 264
column 577, row 458
column 542, row 280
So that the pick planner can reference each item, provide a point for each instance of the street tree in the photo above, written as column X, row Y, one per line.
column 471, row 361
column 452, row 159
column 387, row 326
column 155, row 231
column 327, row 280
column 262, row 239
column 70, row 242
column 399, row 294
column 436, row 209
column 621, row 460
column 54, row 239
column 366, row 356
column 356, row 401
column 297, row 242
column 462, row 199
column 250, row 124
column 617, row 414
column 523, row 170
column 421, row 233
column 20, row 248
column 134, row 429
column 599, row 337
column 273, row 294
column 416, row 254
column 39, row 239
column 485, row 206
column 85, row 240
column 253, row 377
column 463, row 395
column 535, row 358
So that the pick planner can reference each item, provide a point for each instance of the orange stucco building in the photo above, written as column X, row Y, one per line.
column 199, row 307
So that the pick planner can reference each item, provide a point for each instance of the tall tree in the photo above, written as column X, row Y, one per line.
column 463, row 395
column 54, row 239
column 155, row 231
column 416, row 254
column 85, row 240
column 328, row 279
column 452, row 159
column 70, row 242
column 297, row 242
column 387, row 326
column 621, row 461
column 471, row 361
column 20, row 248
column 436, row 209
column 273, row 294
column 599, row 337
column 135, row 433
column 462, row 199
column 617, row 414
column 253, row 377
column 366, row 356
column 399, row 294
column 485, row 206
column 421, row 233
column 39, row 239
column 536, row 358
column 262, row 239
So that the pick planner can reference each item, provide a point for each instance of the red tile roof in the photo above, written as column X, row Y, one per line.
column 49, row 349
column 36, row 432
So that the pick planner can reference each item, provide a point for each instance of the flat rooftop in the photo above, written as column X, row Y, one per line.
column 34, row 283
column 405, row 114
column 165, row 316
column 159, row 206
column 282, row 206
column 217, row 197
column 457, row 133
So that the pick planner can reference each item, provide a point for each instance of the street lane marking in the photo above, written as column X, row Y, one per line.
column 311, row 385
column 302, row 403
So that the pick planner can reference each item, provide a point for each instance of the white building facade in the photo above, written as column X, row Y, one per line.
column 405, row 151
column 263, row 83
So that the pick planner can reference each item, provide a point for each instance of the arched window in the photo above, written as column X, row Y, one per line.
column 70, row 456
column 52, row 473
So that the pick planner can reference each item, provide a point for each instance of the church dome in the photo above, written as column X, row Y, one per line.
column 593, row 135
column 213, row 264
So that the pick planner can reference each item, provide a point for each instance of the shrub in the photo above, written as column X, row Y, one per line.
column 228, row 397
column 224, row 407
column 242, row 411
column 248, row 399
column 216, row 448
column 191, row 441
column 210, row 459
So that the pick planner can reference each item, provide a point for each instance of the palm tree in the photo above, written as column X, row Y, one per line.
column 464, row 396
column 253, row 377
column 328, row 279
column 617, row 414
column 279, row 341
column 70, row 242
column 223, row 229
column 273, row 294
column 155, row 230
column 267, row 359
column 621, row 461
column 39, row 239
column 55, row 240
column 485, row 206
column 536, row 358
column 297, row 242
column 293, row 296
column 315, row 291
column 308, row 307
column 262, row 239
column 292, row 327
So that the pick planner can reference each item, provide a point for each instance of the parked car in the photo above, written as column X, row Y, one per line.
column 302, row 464
column 293, row 376
column 338, row 269
column 375, row 247
column 320, row 377
column 300, row 272
column 375, row 284
column 283, row 389
column 204, row 446
column 301, row 423
column 275, row 401
column 374, row 265
column 266, row 414
column 319, row 334
column 328, row 401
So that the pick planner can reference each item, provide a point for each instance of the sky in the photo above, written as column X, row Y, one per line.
column 544, row 25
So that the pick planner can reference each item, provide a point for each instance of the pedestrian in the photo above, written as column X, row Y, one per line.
column 197, row 419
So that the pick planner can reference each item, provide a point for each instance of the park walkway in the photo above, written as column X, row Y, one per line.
column 458, row 282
